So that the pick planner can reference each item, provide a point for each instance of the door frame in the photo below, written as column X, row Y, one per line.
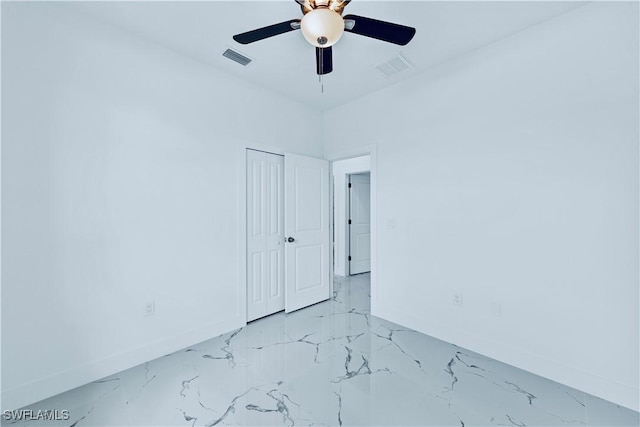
column 370, row 150
column 241, row 309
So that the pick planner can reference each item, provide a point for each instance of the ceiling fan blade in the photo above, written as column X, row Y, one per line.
column 266, row 32
column 324, row 60
column 381, row 30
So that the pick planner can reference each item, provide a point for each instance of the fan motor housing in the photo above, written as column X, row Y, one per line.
column 322, row 27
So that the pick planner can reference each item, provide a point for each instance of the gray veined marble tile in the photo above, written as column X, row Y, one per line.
column 331, row 364
column 603, row 413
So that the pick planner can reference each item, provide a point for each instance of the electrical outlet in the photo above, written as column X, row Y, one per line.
column 149, row 308
column 457, row 299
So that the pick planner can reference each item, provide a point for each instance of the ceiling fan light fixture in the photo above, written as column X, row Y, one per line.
column 322, row 27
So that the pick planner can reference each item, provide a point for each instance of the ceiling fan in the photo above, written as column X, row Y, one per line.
column 322, row 25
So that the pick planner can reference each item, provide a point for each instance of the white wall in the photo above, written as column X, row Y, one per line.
column 120, row 162
column 341, row 169
column 511, row 176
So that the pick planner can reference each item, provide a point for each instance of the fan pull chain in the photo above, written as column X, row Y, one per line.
column 321, row 69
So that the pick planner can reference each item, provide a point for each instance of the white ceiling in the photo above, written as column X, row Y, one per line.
column 203, row 30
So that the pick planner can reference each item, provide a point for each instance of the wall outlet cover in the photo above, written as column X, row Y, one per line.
column 149, row 308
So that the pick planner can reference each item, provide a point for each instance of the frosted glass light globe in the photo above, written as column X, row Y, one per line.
column 321, row 24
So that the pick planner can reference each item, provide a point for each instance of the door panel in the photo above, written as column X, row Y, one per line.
column 275, row 237
column 308, row 213
column 265, row 224
column 360, row 227
column 363, row 243
column 257, row 282
column 308, row 274
column 307, row 222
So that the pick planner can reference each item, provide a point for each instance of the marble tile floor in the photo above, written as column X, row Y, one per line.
column 330, row 364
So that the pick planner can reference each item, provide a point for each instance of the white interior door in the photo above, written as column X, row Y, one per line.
column 306, row 230
column 359, row 223
column 265, row 237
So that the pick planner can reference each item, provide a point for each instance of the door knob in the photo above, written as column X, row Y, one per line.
column 290, row 239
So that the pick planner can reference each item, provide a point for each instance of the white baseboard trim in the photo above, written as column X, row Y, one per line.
column 604, row 388
column 60, row 382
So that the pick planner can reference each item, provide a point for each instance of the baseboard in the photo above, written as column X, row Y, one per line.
column 612, row 391
column 60, row 382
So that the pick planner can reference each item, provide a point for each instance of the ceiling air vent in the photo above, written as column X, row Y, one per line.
column 237, row 57
column 394, row 65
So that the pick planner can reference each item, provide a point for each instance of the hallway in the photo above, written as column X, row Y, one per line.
column 330, row 364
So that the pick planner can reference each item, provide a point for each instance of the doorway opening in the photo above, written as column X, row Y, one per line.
column 309, row 276
column 359, row 224
column 352, row 216
column 354, row 245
